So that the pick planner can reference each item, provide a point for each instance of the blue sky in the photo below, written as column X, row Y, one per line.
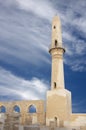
column 25, row 36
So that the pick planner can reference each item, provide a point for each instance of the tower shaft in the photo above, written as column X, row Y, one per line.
column 56, row 51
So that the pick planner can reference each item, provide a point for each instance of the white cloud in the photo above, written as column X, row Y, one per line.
column 11, row 85
column 78, row 67
column 80, row 47
column 23, row 39
column 41, row 8
column 26, row 34
column 76, row 63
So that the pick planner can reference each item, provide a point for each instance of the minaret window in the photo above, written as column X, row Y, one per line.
column 54, row 84
column 54, row 27
column 56, row 43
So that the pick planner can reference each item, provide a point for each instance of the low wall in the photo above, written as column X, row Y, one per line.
column 78, row 119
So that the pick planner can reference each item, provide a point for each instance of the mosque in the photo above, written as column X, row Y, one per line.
column 58, row 112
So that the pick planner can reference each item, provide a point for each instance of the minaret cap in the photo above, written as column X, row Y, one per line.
column 56, row 18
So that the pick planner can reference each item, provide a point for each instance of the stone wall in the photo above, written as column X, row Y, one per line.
column 78, row 120
column 58, row 108
column 26, row 117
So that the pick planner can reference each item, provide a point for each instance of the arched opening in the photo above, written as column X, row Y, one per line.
column 32, row 109
column 56, row 43
column 2, row 109
column 54, row 84
column 16, row 109
column 55, row 118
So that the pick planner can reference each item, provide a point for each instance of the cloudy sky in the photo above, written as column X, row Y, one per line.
column 25, row 36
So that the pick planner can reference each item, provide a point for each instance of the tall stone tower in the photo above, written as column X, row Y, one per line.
column 58, row 109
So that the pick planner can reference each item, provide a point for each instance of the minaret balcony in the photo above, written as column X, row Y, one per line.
column 57, row 48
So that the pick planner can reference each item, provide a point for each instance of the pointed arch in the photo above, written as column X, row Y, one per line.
column 56, row 120
column 16, row 108
column 2, row 109
column 32, row 109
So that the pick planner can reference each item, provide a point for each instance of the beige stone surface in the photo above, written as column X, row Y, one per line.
column 56, row 32
column 58, row 106
column 26, row 118
column 56, row 51
column 57, row 73
column 79, row 120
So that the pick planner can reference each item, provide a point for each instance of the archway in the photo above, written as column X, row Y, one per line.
column 56, row 120
column 32, row 109
column 2, row 109
column 16, row 108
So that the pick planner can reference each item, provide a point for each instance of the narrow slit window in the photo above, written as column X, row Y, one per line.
column 56, row 43
column 54, row 27
column 54, row 84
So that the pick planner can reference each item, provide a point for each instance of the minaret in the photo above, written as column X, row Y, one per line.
column 56, row 51
column 58, row 101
